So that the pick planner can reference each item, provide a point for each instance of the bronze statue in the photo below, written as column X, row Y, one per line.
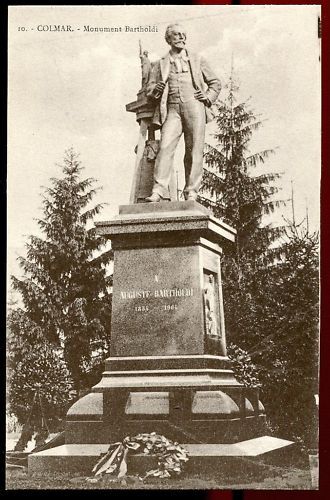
column 183, row 88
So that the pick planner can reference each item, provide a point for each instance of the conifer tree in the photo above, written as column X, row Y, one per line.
column 270, row 293
column 65, row 287
column 234, row 193
column 288, row 352
column 229, row 186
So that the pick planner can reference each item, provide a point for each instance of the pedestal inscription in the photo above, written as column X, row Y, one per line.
column 157, row 302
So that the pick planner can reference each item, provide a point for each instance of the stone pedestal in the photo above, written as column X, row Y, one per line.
column 168, row 369
column 162, row 260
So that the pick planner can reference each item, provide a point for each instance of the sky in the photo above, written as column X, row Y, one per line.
column 69, row 89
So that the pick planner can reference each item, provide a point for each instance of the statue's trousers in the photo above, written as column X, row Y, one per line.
column 187, row 118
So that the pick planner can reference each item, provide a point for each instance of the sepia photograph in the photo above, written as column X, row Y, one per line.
column 163, row 217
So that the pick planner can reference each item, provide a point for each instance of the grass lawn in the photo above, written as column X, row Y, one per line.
column 266, row 477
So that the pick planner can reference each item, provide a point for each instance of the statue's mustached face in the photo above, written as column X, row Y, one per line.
column 177, row 38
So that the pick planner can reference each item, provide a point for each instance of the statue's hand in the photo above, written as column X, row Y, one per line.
column 200, row 96
column 158, row 90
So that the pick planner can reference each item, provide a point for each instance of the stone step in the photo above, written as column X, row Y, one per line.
column 82, row 457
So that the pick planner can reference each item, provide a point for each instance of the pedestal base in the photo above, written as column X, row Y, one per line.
column 200, row 404
column 168, row 372
column 202, row 458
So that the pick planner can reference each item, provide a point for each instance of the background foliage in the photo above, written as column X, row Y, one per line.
column 59, row 337
column 270, row 277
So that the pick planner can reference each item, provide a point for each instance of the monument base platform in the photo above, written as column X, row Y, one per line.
column 81, row 458
column 191, row 398
column 168, row 370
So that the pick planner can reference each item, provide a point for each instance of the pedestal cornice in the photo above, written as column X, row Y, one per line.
column 166, row 217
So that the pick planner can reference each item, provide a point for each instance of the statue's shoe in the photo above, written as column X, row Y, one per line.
column 192, row 197
column 155, row 198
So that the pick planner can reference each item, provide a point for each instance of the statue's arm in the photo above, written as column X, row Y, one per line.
column 212, row 81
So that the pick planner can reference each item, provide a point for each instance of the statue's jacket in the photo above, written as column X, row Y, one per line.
column 204, row 78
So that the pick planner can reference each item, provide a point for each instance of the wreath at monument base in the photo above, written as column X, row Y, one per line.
column 170, row 457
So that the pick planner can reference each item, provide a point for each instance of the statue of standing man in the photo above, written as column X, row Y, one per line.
column 145, row 66
column 184, row 88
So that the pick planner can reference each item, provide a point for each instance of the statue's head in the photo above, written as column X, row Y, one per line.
column 175, row 36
